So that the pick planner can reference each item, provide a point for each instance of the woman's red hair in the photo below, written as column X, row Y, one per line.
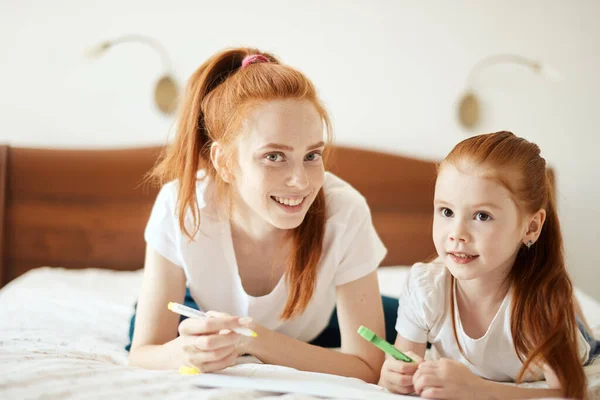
column 543, row 324
column 219, row 97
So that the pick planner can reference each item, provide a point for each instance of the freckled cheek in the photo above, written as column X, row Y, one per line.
column 317, row 183
column 316, row 176
column 268, row 175
column 258, row 181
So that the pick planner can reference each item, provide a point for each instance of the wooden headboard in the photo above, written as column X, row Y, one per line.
column 89, row 208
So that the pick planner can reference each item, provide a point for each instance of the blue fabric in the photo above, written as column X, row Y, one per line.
column 187, row 301
column 594, row 344
column 329, row 337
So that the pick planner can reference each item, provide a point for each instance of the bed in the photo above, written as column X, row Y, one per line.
column 72, row 248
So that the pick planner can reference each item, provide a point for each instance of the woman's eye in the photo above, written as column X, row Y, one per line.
column 313, row 156
column 275, row 157
column 446, row 212
column 483, row 217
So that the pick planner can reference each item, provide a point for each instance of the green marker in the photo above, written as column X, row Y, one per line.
column 369, row 335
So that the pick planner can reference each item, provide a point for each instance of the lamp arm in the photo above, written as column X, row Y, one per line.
column 501, row 59
column 153, row 43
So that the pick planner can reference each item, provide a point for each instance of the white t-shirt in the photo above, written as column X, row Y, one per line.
column 424, row 315
column 351, row 250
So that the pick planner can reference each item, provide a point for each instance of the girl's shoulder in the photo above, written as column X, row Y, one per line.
column 429, row 282
column 429, row 273
column 423, row 301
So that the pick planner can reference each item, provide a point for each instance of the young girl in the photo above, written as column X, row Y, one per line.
column 497, row 304
column 249, row 221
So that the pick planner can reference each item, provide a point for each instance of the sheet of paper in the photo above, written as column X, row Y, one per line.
column 277, row 379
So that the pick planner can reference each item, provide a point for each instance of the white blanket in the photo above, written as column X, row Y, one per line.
column 62, row 334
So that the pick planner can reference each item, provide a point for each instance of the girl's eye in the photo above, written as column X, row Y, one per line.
column 313, row 156
column 483, row 217
column 274, row 157
column 446, row 212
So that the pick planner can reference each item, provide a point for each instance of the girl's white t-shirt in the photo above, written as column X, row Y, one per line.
column 424, row 315
column 351, row 250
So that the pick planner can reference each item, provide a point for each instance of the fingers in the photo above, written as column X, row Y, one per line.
column 210, row 342
column 414, row 357
column 242, row 320
column 400, row 367
column 428, row 365
column 193, row 326
column 396, row 385
column 399, row 379
column 426, row 379
column 434, row 393
column 217, row 314
column 208, row 365
column 395, row 382
column 397, row 376
column 210, row 356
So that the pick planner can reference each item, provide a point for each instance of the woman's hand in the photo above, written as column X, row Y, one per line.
column 210, row 344
column 397, row 376
column 447, row 379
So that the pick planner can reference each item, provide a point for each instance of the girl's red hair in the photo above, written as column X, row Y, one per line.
column 543, row 324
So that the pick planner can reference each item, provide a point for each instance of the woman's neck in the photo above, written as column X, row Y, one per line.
column 252, row 229
column 259, row 234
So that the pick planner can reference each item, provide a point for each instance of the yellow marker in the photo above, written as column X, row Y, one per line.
column 193, row 313
column 188, row 370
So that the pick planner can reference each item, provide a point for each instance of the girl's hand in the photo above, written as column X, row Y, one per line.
column 210, row 344
column 447, row 379
column 397, row 376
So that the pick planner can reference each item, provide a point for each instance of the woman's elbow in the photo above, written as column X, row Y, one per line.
column 132, row 357
column 371, row 374
column 140, row 357
column 372, row 370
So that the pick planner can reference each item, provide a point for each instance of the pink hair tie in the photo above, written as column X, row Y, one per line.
column 254, row 59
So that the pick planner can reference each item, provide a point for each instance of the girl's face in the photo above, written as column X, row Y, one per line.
column 279, row 168
column 477, row 229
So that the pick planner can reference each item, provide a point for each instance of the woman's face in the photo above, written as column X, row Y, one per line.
column 279, row 168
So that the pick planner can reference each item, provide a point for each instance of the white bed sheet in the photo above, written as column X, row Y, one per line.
column 62, row 334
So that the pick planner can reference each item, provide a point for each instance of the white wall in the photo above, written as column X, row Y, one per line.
column 389, row 71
